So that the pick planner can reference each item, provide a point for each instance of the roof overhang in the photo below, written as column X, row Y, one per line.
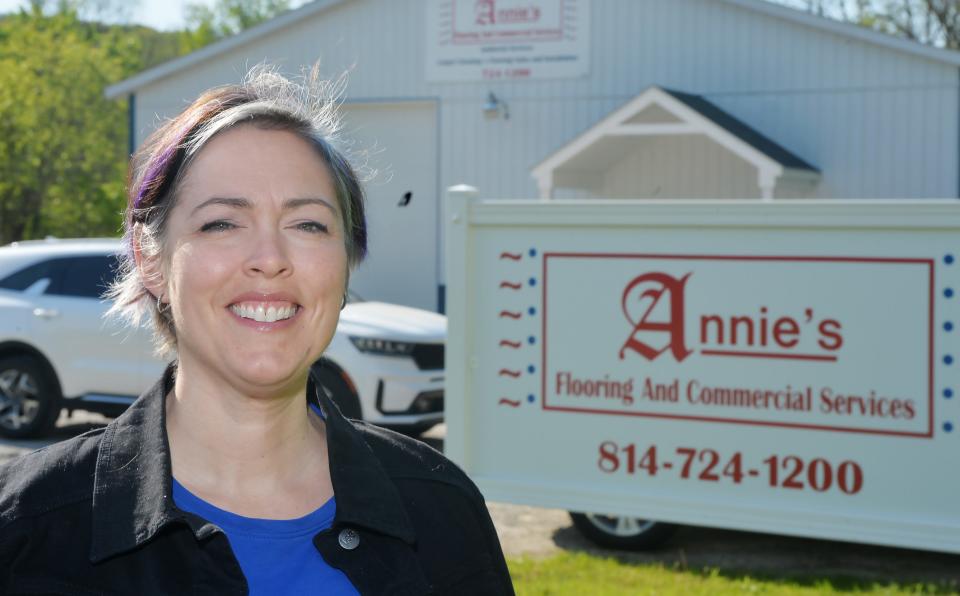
column 223, row 46
column 583, row 160
column 309, row 9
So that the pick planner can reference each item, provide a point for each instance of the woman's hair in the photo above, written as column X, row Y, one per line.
column 265, row 99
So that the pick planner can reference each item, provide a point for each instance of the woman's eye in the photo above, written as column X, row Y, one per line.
column 313, row 226
column 220, row 225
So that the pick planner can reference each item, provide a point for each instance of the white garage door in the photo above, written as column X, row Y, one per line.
column 402, row 207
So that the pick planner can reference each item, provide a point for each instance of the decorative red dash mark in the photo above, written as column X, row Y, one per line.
column 513, row 403
column 513, row 256
column 509, row 344
column 512, row 286
column 509, row 373
column 509, row 314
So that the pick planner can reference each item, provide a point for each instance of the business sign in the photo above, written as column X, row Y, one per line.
column 711, row 338
column 491, row 40
column 781, row 367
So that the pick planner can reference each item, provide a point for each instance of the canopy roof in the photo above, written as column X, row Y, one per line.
column 661, row 112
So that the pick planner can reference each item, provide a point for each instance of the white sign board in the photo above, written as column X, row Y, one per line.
column 490, row 40
column 782, row 367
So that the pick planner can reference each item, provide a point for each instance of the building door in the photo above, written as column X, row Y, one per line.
column 402, row 201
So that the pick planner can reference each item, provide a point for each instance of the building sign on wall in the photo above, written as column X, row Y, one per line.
column 475, row 40
column 787, row 367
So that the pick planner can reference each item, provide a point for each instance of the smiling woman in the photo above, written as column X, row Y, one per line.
column 234, row 474
column 255, row 230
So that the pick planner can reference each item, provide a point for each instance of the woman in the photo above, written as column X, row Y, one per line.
column 233, row 474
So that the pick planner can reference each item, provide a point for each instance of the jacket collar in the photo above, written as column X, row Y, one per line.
column 133, row 495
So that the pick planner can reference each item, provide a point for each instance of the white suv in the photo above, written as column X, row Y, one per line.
column 384, row 365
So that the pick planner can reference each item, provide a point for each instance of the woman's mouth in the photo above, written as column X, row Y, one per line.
column 265, row 312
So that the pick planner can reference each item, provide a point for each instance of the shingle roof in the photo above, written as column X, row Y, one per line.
column 741, row 130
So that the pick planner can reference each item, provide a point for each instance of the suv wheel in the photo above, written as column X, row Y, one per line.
column 29, row 400
column 622, row 532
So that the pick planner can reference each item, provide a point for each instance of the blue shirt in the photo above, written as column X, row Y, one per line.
column 277, row 556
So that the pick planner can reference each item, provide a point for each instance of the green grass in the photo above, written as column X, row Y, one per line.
column 581, row 574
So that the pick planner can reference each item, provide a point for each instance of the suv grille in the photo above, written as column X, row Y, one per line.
column 428, row 356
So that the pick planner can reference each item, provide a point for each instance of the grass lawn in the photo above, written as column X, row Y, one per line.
column 582, row 574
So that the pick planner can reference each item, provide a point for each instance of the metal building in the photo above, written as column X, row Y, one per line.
column 601, row 98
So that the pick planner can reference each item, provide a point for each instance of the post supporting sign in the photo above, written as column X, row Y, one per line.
column 784, row 367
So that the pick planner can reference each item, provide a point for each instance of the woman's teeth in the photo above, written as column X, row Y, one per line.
column 263, row 315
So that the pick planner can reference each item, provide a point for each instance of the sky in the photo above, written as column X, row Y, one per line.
column 159, row 14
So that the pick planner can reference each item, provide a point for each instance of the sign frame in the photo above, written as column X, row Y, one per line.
column 468, row 217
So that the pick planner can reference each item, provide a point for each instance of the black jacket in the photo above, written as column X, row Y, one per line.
column 95, row 515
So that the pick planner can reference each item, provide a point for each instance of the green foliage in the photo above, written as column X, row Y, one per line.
column 155, row 46
column 933, row 22
column 62, row 158
column 207, row 24
column 63, row 145
column 579, row 573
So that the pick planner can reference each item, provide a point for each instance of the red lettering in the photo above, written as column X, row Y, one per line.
column 713, row 459
column 895, row 407
column 734, row 323
column 792, row 478
column 872, row 405
column 718, row 325
column 674, row 327
column 608, row 460
column 830, row 334
column 785, row 332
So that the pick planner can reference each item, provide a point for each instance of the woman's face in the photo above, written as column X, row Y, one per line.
column 254, row 259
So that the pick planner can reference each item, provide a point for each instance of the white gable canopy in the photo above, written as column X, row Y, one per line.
column 668, row 144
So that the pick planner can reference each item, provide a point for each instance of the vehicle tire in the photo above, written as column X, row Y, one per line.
column 332, row 382
column 621, row 532
column 29, row 398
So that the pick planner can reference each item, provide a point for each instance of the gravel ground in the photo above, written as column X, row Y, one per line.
column 538, row 532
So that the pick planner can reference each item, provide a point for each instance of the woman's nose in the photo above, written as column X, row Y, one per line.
column 269, row 255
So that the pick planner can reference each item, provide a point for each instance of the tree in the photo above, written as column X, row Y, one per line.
column 206, row 24
column 62, row 144
column 934, row 22
column 117, row 11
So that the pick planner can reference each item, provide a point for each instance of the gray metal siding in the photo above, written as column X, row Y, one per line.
column 875, row 121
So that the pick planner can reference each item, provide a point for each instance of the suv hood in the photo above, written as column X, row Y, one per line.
column 392, row 321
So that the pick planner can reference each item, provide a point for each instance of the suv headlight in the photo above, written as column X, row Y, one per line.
column 382, row 347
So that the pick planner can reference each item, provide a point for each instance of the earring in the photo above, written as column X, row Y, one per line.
column 160, row 306
column 343, row 303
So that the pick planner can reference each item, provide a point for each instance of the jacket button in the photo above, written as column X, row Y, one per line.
column 349, row 539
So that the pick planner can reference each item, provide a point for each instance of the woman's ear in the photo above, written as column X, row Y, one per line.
column 149, row 265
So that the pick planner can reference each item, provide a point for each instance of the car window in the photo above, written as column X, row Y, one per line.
column 87, row 277
column 26, row 277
